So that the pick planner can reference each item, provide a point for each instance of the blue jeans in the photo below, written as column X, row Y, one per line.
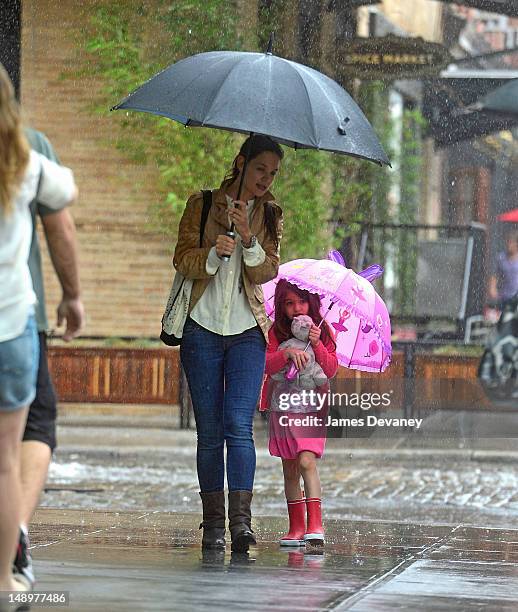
column 225, row 374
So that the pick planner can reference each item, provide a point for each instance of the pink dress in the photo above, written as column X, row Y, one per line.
column 302, row 428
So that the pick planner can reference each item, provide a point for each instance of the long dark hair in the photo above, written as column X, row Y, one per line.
column 282, row 324
column 254, row 146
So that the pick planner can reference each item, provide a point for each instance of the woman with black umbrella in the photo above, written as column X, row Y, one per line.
column 224, row 337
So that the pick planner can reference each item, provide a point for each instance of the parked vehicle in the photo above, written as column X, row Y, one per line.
column 498, row 370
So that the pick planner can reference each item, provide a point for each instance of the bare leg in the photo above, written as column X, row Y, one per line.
column 307, row 463
column 291, row 473
column 11, row 429
column 35, row 461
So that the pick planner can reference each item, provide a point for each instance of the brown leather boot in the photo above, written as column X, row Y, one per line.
column 213, row 520
column 240, row 520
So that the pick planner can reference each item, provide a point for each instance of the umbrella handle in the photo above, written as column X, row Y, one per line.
column 292, row 372
column 231, row 233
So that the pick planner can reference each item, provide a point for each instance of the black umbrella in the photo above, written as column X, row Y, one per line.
column 259, row 93
column 262, row 94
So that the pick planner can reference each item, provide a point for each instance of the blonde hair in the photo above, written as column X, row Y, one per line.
column 14, row 148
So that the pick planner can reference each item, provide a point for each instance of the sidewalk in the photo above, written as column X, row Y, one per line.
column 152, row 561
column 422, row 522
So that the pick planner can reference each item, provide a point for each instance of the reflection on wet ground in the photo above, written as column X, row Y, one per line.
column 152, row 561
column 119, row 528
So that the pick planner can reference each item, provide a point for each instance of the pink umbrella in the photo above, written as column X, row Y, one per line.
column 355, row 311
column 510, row 217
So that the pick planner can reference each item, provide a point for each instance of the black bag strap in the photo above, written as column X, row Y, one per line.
column 207, row 203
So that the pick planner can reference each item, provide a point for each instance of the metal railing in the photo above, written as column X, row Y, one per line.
column 432, row 272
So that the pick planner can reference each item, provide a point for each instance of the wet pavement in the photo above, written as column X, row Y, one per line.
column 152, row 561
column 409, row 525
column 154, row 469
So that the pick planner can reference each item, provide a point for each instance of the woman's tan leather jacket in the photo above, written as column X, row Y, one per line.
column 189, row 259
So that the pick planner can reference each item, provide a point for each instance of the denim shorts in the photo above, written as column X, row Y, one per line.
column 18, row 368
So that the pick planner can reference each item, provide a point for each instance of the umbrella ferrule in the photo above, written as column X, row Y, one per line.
column 269, row 50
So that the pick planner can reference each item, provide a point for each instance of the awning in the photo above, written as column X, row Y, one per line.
column 503, row 100
column 504, row 7
column 510, row 217
column 446, row 106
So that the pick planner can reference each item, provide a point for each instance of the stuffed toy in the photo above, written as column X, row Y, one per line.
column 312, row 375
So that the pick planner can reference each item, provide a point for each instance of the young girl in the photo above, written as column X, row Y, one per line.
column 299, row 446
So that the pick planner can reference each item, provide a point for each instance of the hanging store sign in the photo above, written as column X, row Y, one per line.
column 392, row 57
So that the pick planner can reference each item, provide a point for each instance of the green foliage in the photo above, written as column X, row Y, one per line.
column 373, row 98
column 364, row 193
column 300, row 191
column 195, row 26
column 361, row 189
column 411, row 169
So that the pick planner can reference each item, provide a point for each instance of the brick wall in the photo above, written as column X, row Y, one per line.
column 125, row 269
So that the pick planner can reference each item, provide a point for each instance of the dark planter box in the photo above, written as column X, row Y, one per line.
column 152, row 376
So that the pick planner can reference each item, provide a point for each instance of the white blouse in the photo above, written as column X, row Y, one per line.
column 224, row 308
column 57, row 188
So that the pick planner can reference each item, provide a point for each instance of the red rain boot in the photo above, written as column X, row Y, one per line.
column 297, row 515
column 314, row 532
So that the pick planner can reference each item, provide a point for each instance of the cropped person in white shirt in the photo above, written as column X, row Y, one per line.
column 224, row 339
column 23, row 174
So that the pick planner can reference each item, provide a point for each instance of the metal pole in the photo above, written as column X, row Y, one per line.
column 231, row 233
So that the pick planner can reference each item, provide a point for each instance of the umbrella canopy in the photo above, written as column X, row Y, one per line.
column 359, row 317
column 263, row 94
column 503, row 100
column 510, row 217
